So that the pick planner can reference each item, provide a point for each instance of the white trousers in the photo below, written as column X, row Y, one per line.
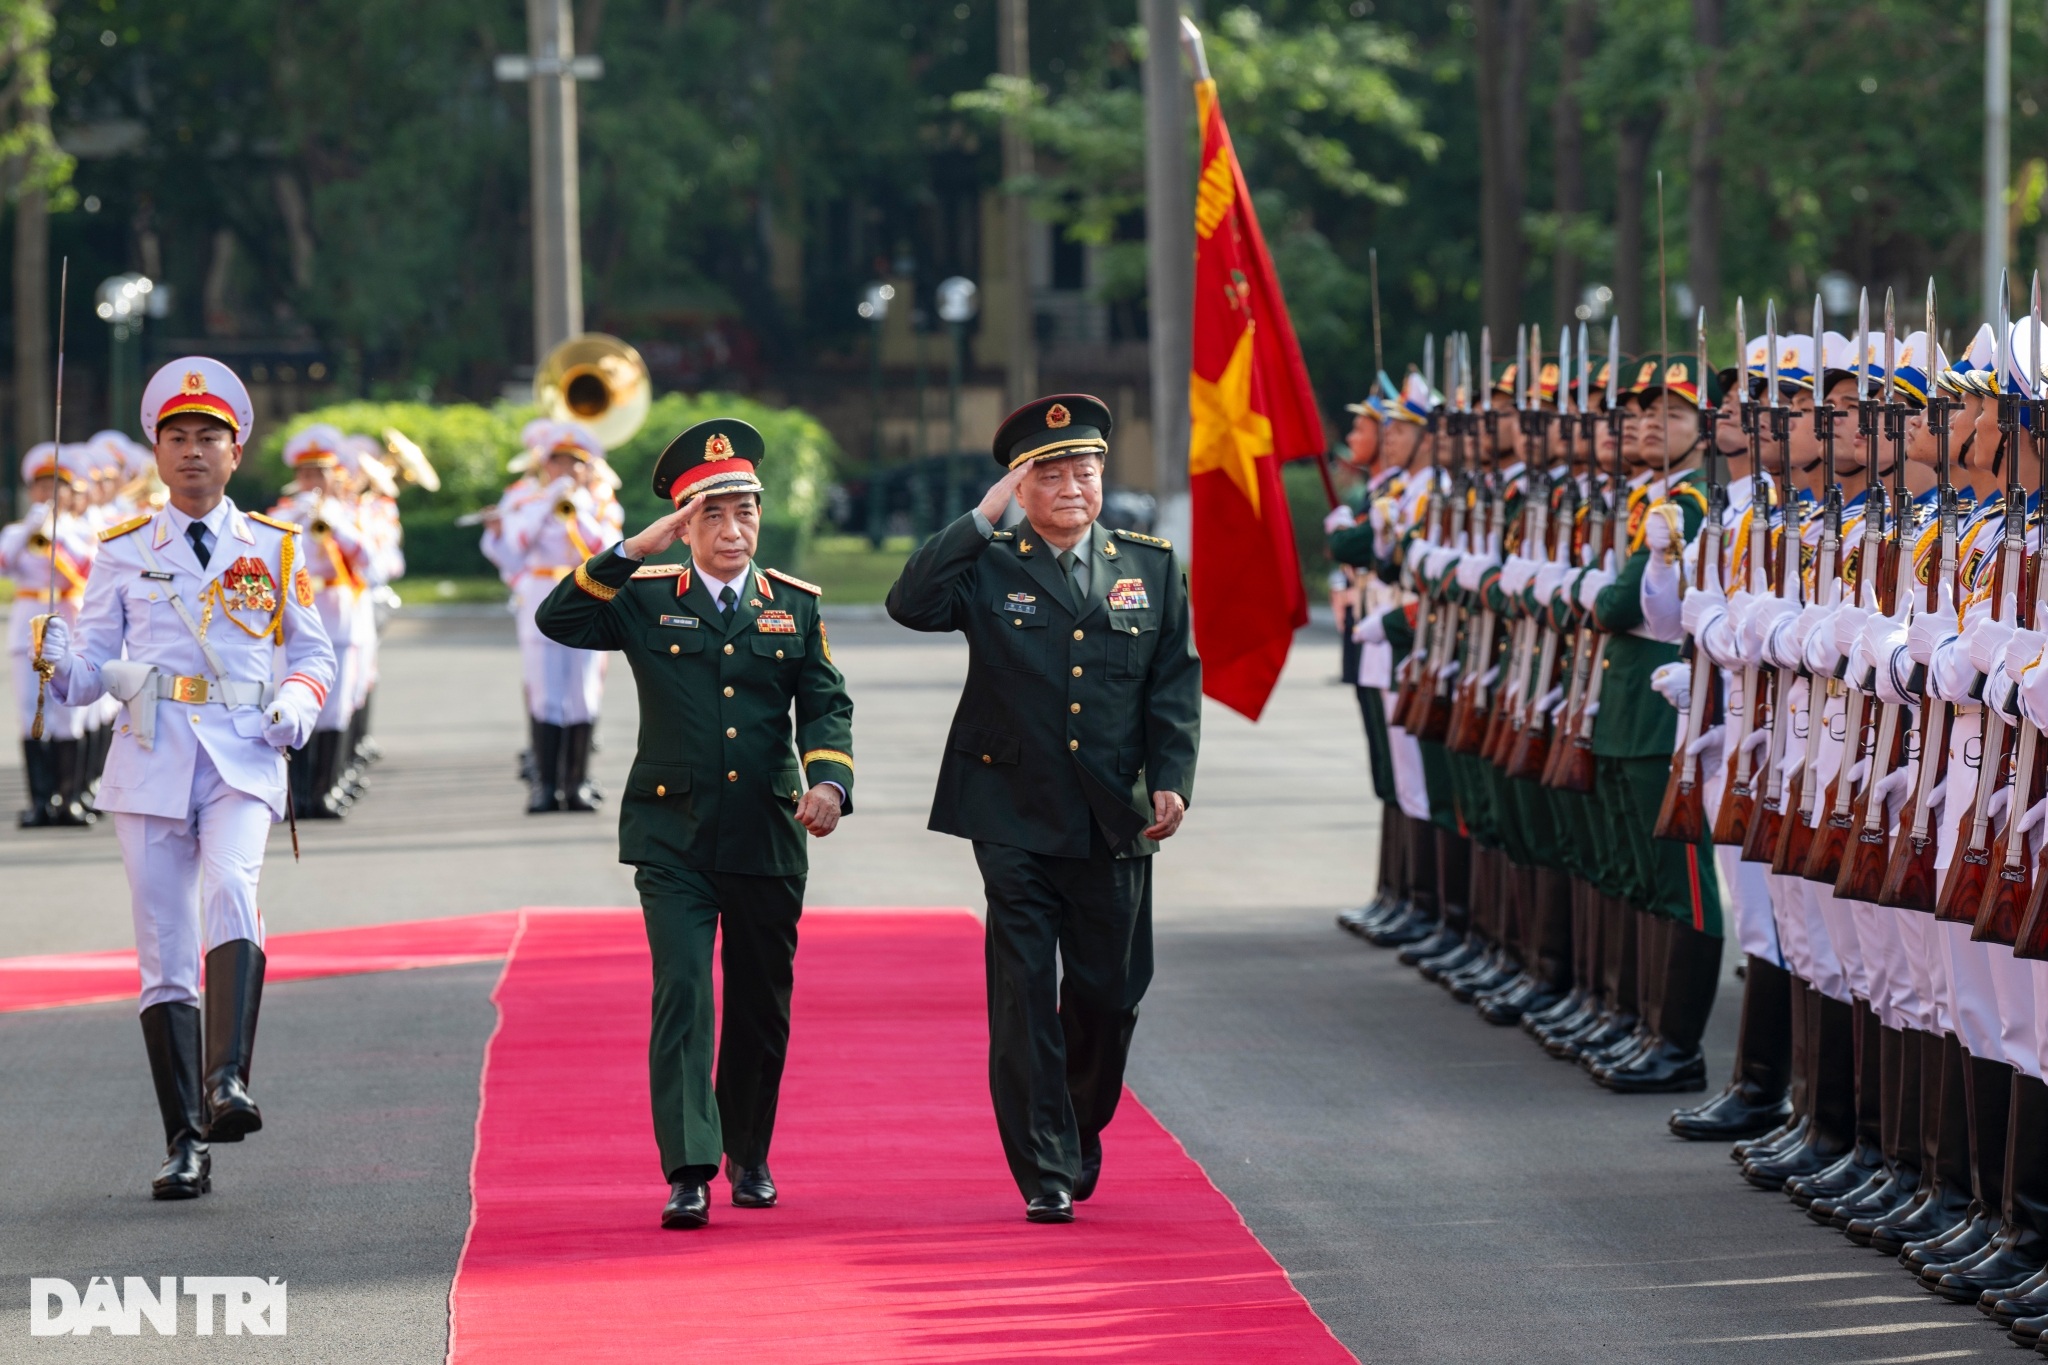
column 192, row 882
column 1410, row 789
column 564, row 686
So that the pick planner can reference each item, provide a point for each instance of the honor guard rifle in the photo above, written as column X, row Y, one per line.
column 1887, row 560
column 1606, row 513
column 1468, row 713
column 1909, row 879
column 1770, row 808
column 2009, row 889
column 1738, row 796
column 1962, row 894
column 1415, row 666
column 1683, row 814
column 1436, row 697
column 1796, row 841
column 1504, row 725
column 1531, row 749
column 1560, row 756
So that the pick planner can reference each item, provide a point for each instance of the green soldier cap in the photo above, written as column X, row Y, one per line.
column 1627, row 366
column 1646, row 377
column 1053, row 428
column 718, row 456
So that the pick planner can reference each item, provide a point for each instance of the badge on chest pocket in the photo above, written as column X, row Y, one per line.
column 1128, row 594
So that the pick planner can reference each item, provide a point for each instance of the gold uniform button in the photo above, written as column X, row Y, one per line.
column 1134, row 630
column 660, row 789
column 1075, row 708
column 675, row 649
column 1077, row 635
column 1077, row 670
column 728, row 649
column 1016, row 620
column 1073, row 744
column 778, row 653
column 732, row 777
column 986, row 759
column 728, row 691
column 731, row 733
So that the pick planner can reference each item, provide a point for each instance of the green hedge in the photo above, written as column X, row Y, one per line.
column 469, row 446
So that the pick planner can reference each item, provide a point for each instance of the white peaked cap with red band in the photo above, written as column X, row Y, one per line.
column 198, row 384
column 318, row 447
column 40, row 462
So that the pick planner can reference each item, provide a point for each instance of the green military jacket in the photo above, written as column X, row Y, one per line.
column 1634, row 721
column 1072, row 714
column 718, row 770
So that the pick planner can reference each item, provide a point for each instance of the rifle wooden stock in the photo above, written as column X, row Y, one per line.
column 1738, row 795
column 1867, row 859
column 1682, row 814
column 1838, row 818
column 1910, row 882
column 2010, row 888
column 2031, row 942
column 1795, row 837
column 1963, row 892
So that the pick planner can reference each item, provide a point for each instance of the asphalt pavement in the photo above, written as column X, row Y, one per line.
column 1439, row 1189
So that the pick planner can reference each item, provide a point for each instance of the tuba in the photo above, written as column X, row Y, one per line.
column 597, row 380
column 410, row 461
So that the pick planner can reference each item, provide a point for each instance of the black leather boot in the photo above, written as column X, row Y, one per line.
column 36, row 770
column 171, row 1034
column 1864, row 1160
column 1692, row 975
column 325, row 749
column 547, row 769
column 1799, row 1089
column 1987, row 1098
column 577, row 792
column 1898, row 1137
column 1944, row 1197
column 2020, row 1248
column 300, row 779
column 1833, row 1127
column 1756, row 1100
column 234, row 995
column 67, row 765
column 1377, row 912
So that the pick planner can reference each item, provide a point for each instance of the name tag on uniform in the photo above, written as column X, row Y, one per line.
column 1129, row 595
column 686, row 622
column 776, row 623
column 160, row 575
column 1022, row 604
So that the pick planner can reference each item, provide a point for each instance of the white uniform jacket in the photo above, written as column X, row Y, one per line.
column 243, row 600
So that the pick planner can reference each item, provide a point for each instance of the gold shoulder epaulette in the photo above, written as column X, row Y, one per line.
column 780, row 577
column 132, row 524
column 660, row 570
column 1144, row 540
column 1002, row 535
column 285, row 526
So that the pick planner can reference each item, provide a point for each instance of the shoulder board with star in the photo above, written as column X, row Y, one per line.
column 660, row 570
column 1002, row 535
column 288, row 527
column 780, row 577
column 132, row 524
column 1135, row 537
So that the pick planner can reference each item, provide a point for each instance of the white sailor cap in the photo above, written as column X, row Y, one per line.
column 1795, row 359
column 1972, row 368
column 197, row 383
column 1912, row 366
column 2024, row 370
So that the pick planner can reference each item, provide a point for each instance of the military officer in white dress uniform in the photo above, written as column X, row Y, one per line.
column 52, row 764
column 183, row 613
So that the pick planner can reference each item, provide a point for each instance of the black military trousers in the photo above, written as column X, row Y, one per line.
column 696, row 1120
column 1069, row 953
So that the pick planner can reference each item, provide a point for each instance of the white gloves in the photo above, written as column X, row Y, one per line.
column 1590, row 584
column 1548, row 576
column 1657, row 533
column 1472, row 568
column 2023, row 651
column 1877, row 652
column 57, row 642
column 1984, row 642
column 1765, row 615
column 1371, row 631
column 1929, row 629
column 2033, row 689
column 1790, row 644
column 1673, row 682
column 1338, row 518
column 1850, row 623
column 1381, row 515
column 292, row 714
column 1702, row 606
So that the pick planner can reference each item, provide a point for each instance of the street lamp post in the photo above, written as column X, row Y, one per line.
column 957, row 305
column 874, row 306
column 122, row 302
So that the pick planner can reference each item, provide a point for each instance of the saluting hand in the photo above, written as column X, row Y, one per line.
column 997, row 499
column 661, row 533
column 818, row 811
column 1167, row 812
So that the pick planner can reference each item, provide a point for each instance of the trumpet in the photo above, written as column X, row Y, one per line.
column 566, row 509
column 39, row 543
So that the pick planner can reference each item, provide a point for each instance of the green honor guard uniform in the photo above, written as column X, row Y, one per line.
column 719, row 798
column 1077, row 727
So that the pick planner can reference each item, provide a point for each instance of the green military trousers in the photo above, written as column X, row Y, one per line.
column 1069, row 955
column 696, row 1120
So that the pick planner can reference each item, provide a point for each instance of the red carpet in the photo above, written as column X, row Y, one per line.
column 30, row 983
column 900, row 1237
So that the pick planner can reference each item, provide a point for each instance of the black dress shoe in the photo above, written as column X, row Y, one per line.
column 1438, row 939
column 689, row 1205
column 1737, row 1112
column 1057, row 1207
column 1665, row 1070
column 2005, row 1267
column 1091, row 1169
column 1455, row 958
column 2027, row 1331
column 1886, row 1190
column 187, row 1171
column 1952, row 1245
column 1850, row 1172
column 1937, row 1211
column 1784, row 1135
column 1559, row 1009
column 752, row 1186
column 2028, row 1299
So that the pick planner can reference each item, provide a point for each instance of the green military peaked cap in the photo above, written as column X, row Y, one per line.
column 721, row 455
column 1053, row 428
column 1646, row 376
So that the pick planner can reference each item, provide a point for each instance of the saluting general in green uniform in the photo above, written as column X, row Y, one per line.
column 1072, row 753
column 720, row 796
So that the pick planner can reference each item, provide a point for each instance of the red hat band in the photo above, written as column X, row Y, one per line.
column 207, row 404
column 700, row 479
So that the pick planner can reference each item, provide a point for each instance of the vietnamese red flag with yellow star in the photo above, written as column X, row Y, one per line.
column 1252, row 408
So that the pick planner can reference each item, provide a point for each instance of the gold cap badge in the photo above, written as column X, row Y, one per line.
column 195, row 382
column 718, row 447
column 1057, row 416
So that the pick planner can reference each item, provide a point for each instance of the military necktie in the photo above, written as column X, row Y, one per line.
column 726, row 597
column 1068, row 559
column 196, row 533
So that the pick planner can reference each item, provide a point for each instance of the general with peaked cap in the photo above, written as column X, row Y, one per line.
column 52, row 763
column 186, row 614
column 571, row 517
column 1071, row 754
column 731, row 662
